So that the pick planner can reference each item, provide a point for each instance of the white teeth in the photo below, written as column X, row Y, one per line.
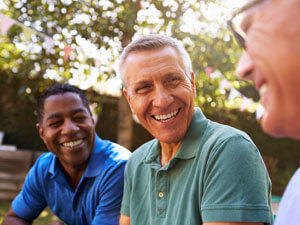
column 166, row 116
column 72, row 143
column 263, row 90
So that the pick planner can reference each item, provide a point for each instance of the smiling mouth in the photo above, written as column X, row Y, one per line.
column 262, row 90
column 72, row 143
column 167, row 116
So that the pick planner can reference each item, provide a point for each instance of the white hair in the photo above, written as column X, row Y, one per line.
column 152, row 42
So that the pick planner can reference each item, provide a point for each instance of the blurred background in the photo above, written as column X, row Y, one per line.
column 47, row 41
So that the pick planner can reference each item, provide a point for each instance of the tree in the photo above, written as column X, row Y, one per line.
column 100, row 30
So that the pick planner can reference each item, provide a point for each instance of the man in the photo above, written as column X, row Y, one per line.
column 270, row 36
column 81, row 178
column 195, row 171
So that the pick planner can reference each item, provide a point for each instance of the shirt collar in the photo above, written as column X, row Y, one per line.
column 96, row 161
column 53, row 165
column 153, row 153
column 191, row 141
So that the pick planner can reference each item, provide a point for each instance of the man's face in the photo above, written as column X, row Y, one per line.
column 67, row 129
column 160, row 92
column 272, row 61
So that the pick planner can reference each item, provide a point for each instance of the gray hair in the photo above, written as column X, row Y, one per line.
column 152, row 42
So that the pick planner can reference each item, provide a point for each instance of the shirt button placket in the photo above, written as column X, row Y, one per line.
column 162, row 187
column 160, row 194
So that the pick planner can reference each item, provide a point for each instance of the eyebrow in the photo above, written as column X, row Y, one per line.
column 142, row 82
column 79, row 110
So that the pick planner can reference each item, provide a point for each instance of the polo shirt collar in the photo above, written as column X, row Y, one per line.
column 191, row 141
column 154, row 152
column 96, row 161
column 94, row 166
column 53, row 165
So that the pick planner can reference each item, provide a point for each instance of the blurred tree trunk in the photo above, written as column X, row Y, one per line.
column 125, row 121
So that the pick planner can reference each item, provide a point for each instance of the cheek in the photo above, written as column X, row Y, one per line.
column 49, row 137
column 139, row 104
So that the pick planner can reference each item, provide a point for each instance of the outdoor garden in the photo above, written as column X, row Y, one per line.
column 47, row 41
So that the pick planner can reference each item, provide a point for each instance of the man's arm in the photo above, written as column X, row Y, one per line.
column 236, row 184
column 11, row 218
column 125, row 220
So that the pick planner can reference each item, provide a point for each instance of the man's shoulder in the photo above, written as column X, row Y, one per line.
column 44, row 160
column 111, row 151
column 208, row 131
column 40, row 168
column 221, row 132
column 220, row 137
column 141, row 152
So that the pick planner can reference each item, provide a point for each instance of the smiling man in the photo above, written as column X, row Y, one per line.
column 81, row 178
column 269, row 32
column 195, row 171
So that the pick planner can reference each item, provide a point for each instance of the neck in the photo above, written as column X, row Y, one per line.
column 168, row 151
column 74, row 174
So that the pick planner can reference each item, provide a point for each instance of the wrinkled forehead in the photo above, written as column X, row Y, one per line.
column 144, row 61
column 249, row 11
column 251, row 6
column 274, row 8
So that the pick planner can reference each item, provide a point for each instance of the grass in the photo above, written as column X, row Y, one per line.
column 46, row 217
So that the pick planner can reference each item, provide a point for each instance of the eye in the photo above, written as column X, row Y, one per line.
column 55, row 123
column 172, row 81
column 79, row 117
column 143, row 89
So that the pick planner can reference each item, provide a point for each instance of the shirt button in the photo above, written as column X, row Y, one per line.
column 161, row 194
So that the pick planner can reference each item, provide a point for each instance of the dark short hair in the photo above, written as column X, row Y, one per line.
column 55, row 90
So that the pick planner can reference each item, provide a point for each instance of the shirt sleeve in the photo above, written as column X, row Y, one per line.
column 236, row 184
column 108, row 209
column 288, row 211
column 30, row 202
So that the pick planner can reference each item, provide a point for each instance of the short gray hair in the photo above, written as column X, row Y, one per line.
column 152, row 42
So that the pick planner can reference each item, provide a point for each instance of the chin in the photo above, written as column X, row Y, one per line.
column 272, row 126
column 280, row 128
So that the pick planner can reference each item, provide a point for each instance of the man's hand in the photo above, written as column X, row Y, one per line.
column 124, row 220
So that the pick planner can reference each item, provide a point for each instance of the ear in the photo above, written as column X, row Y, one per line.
column 192, row 75
column 128, row 99
column 41, row 131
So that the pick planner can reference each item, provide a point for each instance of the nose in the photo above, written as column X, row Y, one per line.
column 69, row 127
column 245, row 68
column 162, row 97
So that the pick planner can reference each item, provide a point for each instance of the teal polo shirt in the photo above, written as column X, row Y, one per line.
column 217, row 175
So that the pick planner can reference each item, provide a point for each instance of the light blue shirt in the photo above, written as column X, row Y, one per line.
column 289, row 207
column 97, row 198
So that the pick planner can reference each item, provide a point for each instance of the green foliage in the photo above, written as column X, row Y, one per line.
column 108, row 26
